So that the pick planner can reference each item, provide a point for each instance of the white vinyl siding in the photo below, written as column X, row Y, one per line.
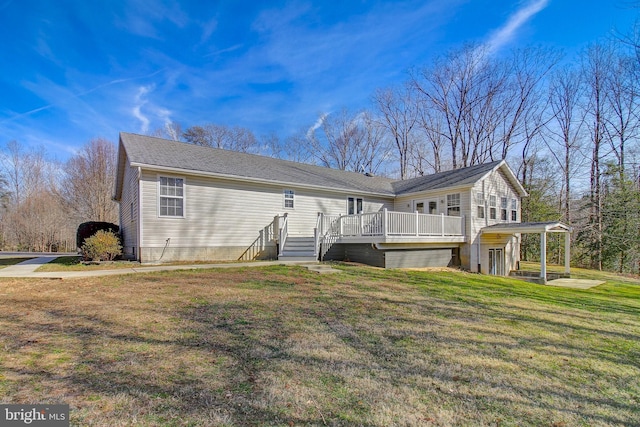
column 128, row 217
column 228, row 213
column 495, row 184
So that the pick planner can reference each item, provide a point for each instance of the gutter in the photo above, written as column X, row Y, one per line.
column 260, row 180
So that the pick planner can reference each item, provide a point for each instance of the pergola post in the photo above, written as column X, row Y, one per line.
column 567, row 253
column 543, row 257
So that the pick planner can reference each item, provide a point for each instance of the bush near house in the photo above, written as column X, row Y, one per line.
column 102, row 246
column 88, row 229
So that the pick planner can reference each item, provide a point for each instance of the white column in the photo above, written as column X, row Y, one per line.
column 567, row 253
column 543, row 257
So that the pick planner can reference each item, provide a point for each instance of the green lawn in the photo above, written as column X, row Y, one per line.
column 73, row 263
column 281, row 346
column 5, row 262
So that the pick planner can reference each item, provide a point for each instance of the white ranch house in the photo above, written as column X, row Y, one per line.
column 185, row 202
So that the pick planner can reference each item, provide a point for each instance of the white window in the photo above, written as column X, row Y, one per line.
column 480, row 203
column 171, row 197
column 503, row 210
column 453, row 204
column 514, row 210
column 354, row 205
column 492, row 207
column 289, row 196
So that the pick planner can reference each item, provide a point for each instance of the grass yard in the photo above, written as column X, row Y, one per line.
column 73, row 263
column 281, row 346
column 6, row 262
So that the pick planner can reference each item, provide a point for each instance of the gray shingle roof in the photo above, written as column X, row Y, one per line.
column 453, row 178
column 161, row 153
column 145, row 150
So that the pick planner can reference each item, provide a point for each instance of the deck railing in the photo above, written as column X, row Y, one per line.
column 393, row 224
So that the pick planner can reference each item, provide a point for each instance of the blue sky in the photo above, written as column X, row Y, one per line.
column 75, row 70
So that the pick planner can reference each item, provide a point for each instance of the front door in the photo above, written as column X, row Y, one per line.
column 496, row 262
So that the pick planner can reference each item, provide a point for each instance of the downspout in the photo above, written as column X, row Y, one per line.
column 478, row 245
column 138, row 214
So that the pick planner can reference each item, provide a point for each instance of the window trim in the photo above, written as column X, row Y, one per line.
column 183, row 197
column 288, row 195
column 514, row 210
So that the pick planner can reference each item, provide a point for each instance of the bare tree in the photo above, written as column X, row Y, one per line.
column 479, row 105
column 348, row 140
column 170, row 130
column 596, row 69
column 374, row 151
column 527, row 70
column 565, row 128
column 297, row 147
column 622, row 94
column 88, row 182
column 32, row 216
column 399, row 115
column 220, row 136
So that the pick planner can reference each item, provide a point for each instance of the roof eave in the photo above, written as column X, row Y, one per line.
column 257, row 180
column 512, row 178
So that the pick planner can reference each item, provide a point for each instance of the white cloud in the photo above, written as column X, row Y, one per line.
column 207, row 30
column 139, row 101
column 506, row 33
column 317, row 124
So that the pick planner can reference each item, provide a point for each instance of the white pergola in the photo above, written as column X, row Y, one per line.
column 541, row 228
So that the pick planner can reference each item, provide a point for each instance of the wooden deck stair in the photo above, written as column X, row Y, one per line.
column 298, row 249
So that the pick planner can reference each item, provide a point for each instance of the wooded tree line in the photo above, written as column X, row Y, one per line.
column 42, row 201
column 568, row 128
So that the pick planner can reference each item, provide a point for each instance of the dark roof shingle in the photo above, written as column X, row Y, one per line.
column 151, row 151
column 157, row 152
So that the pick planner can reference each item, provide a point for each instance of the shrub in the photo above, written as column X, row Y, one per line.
column 102, row 246
column 88, row 229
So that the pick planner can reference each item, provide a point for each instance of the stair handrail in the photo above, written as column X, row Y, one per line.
column 317, row 232
column 284, row 232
